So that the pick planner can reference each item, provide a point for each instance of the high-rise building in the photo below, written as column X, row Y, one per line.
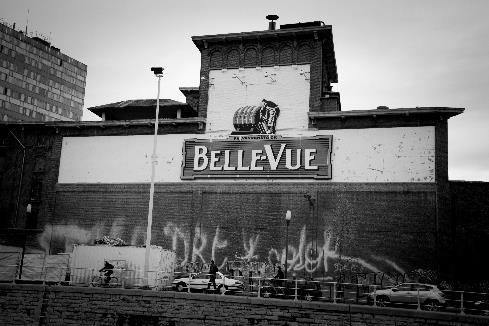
column 37, row 81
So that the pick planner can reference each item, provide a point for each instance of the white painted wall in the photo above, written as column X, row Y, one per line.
column 404, row 154
column 290, row 91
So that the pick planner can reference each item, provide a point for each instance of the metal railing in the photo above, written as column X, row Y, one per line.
column 459, row 302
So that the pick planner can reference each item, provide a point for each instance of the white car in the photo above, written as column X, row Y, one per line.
column 430, row 297
column 200, row 281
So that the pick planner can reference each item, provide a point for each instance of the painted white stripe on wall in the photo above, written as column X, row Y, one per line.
column 359, row 155
column 285, row 86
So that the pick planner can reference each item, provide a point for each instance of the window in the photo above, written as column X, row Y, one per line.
column 404, row 287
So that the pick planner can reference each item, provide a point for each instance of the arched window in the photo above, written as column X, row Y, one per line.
column 250, row 58
column 216, row 59
column 268, row 56
column 304, row 53
column 285, row 55
column 233, row 58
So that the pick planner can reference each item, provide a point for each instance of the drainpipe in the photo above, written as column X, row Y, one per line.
column 21, row 177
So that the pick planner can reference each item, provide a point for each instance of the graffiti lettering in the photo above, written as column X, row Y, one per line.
column 250, row 248
column 199, row 244
column 307, row 256
column 218, row 244
column 176, row 234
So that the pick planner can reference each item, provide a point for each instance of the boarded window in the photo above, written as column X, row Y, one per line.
column 250, row 58
column 268, row 56
column 233, row 58
column 216, row 59
column 285, row 55
column 304, row 53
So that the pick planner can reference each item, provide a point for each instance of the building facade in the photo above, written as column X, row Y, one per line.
column 368, row 190
column 37, row 81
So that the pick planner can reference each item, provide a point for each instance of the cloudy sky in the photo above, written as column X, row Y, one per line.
column 395, row 53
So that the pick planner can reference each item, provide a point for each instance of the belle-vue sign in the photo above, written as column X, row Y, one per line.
column 258, row 156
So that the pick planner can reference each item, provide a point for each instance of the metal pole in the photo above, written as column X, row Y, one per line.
column 462, row 303
column 23, row 254
column 419, row 302
column 295, row 290
column 286, row 248
column 259, row 287
column 154, row 161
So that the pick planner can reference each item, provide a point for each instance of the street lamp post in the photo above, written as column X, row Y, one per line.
column 158, row 71
column 288, row 216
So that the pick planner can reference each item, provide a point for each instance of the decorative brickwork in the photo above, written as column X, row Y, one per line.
column 284, row 48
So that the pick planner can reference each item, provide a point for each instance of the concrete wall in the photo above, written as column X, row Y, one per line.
column 404, row 154
column 41, row 305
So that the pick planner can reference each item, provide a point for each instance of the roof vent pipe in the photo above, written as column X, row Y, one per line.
column 271, row 23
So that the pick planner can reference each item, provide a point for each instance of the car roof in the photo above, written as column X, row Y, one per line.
column 417, row 283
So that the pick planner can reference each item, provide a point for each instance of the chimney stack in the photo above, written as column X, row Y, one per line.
column 271, row 23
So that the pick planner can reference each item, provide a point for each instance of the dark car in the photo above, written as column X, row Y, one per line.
column 306, row 289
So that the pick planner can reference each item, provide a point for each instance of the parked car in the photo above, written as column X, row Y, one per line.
column 200, row 281
column 306, row 289
column 430, row 297
column 481, row 307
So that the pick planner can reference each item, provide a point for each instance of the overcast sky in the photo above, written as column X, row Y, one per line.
column 394, row 53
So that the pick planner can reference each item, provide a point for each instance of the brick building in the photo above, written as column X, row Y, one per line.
column 368, row 190
column 37, row 81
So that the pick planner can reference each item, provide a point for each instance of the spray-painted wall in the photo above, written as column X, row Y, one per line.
column 376, row 228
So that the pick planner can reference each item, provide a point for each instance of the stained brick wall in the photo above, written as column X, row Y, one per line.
column 41, row 305
column 372, row 225
column 469, row 204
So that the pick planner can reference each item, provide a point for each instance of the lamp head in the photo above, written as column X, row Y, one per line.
column 288, row 216
column 157, row 70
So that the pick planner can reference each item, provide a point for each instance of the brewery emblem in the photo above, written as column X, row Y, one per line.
column 254, row 119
